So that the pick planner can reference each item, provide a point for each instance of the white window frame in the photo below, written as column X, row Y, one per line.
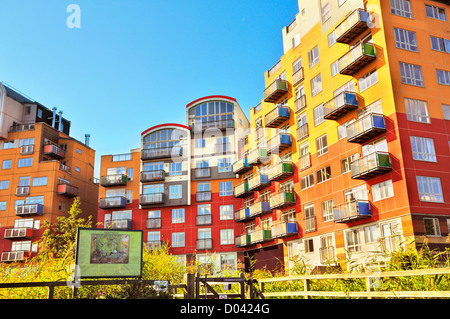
column 430, row 189
column 423, row 149
column 411, row 74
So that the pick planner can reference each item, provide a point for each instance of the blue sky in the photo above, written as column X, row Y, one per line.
column 135, row 64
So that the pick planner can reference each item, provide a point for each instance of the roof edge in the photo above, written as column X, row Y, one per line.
column 163, row 125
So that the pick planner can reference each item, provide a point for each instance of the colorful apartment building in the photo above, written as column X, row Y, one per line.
column 42, row 169
column 178, row 185
column 349, row 154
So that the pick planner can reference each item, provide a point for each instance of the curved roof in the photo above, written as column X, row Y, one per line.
column 212, row 97
column 163, row 125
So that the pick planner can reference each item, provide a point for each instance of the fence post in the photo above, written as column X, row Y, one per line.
column 51, row 290
column 190, row 286
column 197, row 286
column 242, row 283
column 306, row 286
column 369, row 286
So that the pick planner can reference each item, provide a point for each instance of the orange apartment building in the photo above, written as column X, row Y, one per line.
column 349, row 154
column 42, row 169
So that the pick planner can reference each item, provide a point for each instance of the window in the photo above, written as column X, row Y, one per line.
column 331, row 38
column 382, row 190
column 345, row 163
column 326, row 14
column 310, row 222
column 225, row 188
column 307, row 181
column 175, row 169
column 417, row 110
column 323, row 174
column 440, row 44
column 177, row 239
column 443, row 77
column 226, row 236
column 370, row 234
column 224, row 165
column 25, row 162
column 6, row 164
column 318, row 115
column 199, row 143
column 3, row 205
column 8, row 144
column 24, row 181
column 322, row 145
column 367, row 80
column 405, row 39
column 4, row 184
column 121, row 157
column 411, row 74
column 432, row 227
column 309, row 245
column 353, row 241
column 423, row 149
column 327, row 210
column 316, row 85
column 175, row 191
column 435, row 12
column 177, row 215
column 313, row 56
column 296, row 40
column 429, row 189
column 334, row 68
column 446, row 110
column 77, row 169
column 226, row 212
column 153, row 166
column 401, row 8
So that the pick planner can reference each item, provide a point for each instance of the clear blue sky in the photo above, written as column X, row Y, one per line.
column 135, row 64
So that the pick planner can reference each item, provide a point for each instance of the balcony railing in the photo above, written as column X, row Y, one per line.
column 241, row 166
column 284, row 229
column 21, row 127
column 351, row 211
column 277, row 116
column 279, row 143
column 275, row 91
column 153, row 223
column 67, row 190
column 259, row 208
column 113, row 202
column 64, row 168
column 201, row 172
column 304, row 161
column 205, row 219
column 153, row 176
column 151, row 199
column 204, row 243
column 119, row 224
column 203, row 196
column 242, row 214
column 357, row 58
column 242, row 190
column 54, row 151
column 282, row 199
column 280, row 171
column 258, row 182
column 114, row 180
column 29, row 209
column 302, row 132
column 297, row 77
column 374, row 164
column 257, row 156
column 13, row 256
column 365, row 128
column 18, row 233
column 27, row 149
column 154, row 244
column 162, row 152
column 352, row 26
column 260, row 235
column 218, row 124
column 23, row 190
column 300, row 103
column 340, row 105
column 243, row 240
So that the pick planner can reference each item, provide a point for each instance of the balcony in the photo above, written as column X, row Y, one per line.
column 365, row 128
column 119, row 224
column 114, row 180
column 279, row 143
column 18, row 233
column 151, row 199
column 300, row 103
column 340, row 105
column 243, row 240
column 242, row 166
column 161, row 152
column 259, row 208
column 282, row 200
column 258, row 182
column 275, row 91
column 153, row 176
column 21, row 127
column 297, row 77
column 23, row 190
column 217, row 124
column 205, row 219
column 352, row 211
column 261, row 235
column 67, row 190
column 27, row 149
column 64, row 168
column 302, row 132
column 153, row 223
column 257, row 156
column 154, row 244
column 357, row 58
column 113, row 202
column 352, row 26
column 280, row 171
column 277, row 116
column 374, row 164
column 203, row 196
column 284, row 229
column 13, row 256
column 54, row 151
column 29, row 210
column 242, row 190
column 242, row 214
column 204, row 243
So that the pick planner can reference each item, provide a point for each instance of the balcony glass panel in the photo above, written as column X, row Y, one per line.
column 114, row 180
column 277, row 116
column 365, row 128
column 275, row 91
column 153, row 176
column 281, row 200
column 29, row 209
column 204, row 243
column 204, row 196
column 151, row 199
column 54, row 151
column 243, row 240
column 302, row 132
column 357, row 58
column 300, row 103
column 259, row 208
column 162, row 152
column 242, row 190
column 113, row 202
column 241, row 166
column 67, row 190
column 242, row 214
column 297, row 77
column 257, row 156
column 340, row 105
column 153, row 223
column 284, row 229
column 260, row 235
column 22, row 232
column 258, row 182
column 279, row 143
column 119, row 224
column 280, row 171
column 216, row 124
column 371, row 165
column 352, row 26
column 202, row 172
column 351, row 211
column 205, row 219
